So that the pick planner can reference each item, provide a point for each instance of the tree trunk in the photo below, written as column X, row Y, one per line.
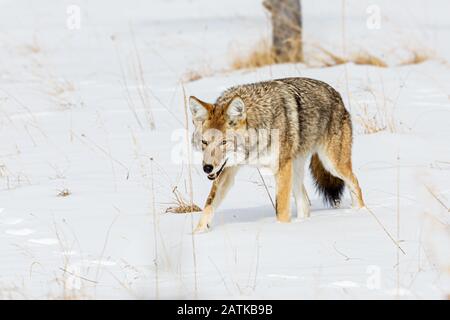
column 286, row 29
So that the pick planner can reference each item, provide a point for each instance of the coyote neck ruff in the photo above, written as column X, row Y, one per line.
column 278, row 124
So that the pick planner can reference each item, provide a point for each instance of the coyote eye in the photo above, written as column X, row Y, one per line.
column 224, row 142
column 205, row 142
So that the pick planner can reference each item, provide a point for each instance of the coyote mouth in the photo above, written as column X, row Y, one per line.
column 214, row 176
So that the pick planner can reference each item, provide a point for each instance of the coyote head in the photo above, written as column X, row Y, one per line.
column 217, row 128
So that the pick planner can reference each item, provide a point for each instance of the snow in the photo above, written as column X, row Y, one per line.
column 66, row 122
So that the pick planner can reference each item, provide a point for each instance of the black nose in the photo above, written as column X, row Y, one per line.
column 207, row 168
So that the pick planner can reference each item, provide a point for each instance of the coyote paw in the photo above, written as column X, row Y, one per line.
column 336, row 204
column 302, row 219
column 283, row 219
column 358, row 207
column 202, row 228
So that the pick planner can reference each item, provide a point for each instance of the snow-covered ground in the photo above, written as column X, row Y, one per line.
column 85, row 180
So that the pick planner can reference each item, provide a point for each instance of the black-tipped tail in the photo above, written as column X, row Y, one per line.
column 329, row 186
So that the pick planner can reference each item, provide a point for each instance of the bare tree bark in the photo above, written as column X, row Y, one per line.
column 286, row 29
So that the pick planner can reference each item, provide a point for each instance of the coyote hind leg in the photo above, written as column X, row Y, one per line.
column 298, row 188
column 336, row 155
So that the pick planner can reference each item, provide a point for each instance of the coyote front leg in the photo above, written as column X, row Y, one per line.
column 284, row 187
column 218, row 191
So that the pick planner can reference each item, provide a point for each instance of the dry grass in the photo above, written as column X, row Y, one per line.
column 155, row 230
column 365, row 58
column 191, row 188
column 416, row 57
column 3, row 170
column 262, row 55
column 137, row 94
column 192, row 75
column 196, row 74
column 13, row 180
column 142, row 88
column 61, row 91
column 64, row 193
column 59, row 87
column 34, row 47
column 329, row 59
column 70, row 283
column 380, row 118
column 12, row 292
column 373, row 122
column 181, row 205
column 437, row 235
column 438, row 199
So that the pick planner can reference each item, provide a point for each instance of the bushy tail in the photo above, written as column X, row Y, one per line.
column 329, row 186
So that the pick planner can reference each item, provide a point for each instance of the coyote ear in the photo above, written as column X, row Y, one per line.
column 199, row 109
column 236, row 109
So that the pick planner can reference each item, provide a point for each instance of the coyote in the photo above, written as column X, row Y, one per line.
column 309, row 120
